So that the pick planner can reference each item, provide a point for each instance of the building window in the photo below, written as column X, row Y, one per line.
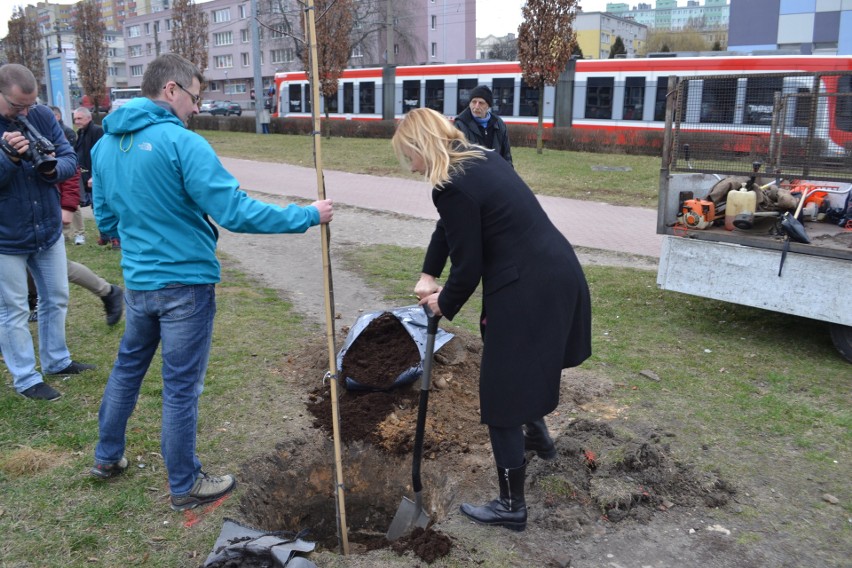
column 223, row 38
column 279, row 32
column 281, row 55
column 168, row 24
column 245, row 36
column 136, row 70
column 135, row 51
column 133, row 31
column 396, row 49
column 112, row 71
column 357, row 51
column 244, row 58
column 221, row 16
column 434, row 22
column 147, row 28
column 243, row 13
column 149, row 49
column 434, row 49
column 232, row 88
column 223, row 61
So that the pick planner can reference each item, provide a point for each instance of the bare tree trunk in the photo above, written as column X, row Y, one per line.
column 539, row 141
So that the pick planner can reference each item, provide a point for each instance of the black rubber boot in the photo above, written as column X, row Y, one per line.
column 510, row 509
column 537, row 439
column 113, row 304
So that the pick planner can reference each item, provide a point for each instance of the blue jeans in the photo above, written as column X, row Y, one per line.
column 181, row 318
column 49, row 268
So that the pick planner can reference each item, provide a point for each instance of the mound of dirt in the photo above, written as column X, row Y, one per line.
column 381, row 353
column 604, row 471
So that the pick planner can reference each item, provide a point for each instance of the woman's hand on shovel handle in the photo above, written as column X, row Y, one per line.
column 432, row 302
column 326, row 210
column 426, row 286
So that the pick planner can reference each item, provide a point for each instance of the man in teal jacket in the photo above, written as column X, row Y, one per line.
column 158, row 185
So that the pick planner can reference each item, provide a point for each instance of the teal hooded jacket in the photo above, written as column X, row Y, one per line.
column 157, row 184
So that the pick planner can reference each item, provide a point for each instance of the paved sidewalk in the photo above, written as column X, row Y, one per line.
column 585, row 223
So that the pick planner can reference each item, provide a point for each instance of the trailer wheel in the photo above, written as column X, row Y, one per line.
column 841, row 336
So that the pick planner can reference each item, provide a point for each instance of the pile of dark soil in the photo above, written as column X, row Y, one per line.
column 605, row 471
column 381, row 353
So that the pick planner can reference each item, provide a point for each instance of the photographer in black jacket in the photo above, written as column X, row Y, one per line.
column 36, row 156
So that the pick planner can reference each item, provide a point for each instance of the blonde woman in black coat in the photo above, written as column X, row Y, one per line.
column 536, row 311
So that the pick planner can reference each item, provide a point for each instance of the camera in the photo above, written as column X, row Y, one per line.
column 40, row 150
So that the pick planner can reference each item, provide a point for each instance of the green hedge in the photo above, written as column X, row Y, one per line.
column 641, row 142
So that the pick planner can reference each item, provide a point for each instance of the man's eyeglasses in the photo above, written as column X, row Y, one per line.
column 195, row 98
column 19, row 107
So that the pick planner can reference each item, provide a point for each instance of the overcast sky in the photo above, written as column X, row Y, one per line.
column 497, row 17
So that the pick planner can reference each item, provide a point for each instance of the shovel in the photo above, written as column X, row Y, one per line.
column 411, row 514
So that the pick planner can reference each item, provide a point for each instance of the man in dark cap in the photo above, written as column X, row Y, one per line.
column 481, row 126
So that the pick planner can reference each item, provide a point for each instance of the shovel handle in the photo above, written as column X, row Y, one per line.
column 428, row 356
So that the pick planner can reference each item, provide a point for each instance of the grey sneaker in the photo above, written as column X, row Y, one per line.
column 207, row 489
column 105, row 471
column 80, row 240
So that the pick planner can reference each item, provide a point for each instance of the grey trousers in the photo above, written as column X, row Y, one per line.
column 76, row 226
column 82, row 275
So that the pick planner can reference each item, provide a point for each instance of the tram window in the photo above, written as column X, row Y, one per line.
column 529, row 100
column 348, row 98
column 634, row 98
column 410, row 95
column 367, row 97
column 308, row 98
column 843, row 117
column 802, row 114
column 435, row 94
column 599, row 97
column 503, row 92
column 760, row 99
column 660, row 99
column 718, row 100
column 465, row 87
column 295, row 96
column 331, row 104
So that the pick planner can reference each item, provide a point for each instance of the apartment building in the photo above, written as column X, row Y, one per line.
column 798, row 26
column 597, row 31
column 424, row 32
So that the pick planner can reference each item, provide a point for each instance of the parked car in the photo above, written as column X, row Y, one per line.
column 205, row 105
column 225, row 108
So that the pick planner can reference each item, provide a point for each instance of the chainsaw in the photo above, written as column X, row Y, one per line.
column 698, row 213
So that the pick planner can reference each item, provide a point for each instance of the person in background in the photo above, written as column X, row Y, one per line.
column 160, row 186
column 536, row 309
column 263, row 113
column 31, row 237
column 88, row 134
column 480, row 125
column 75, row 228
column 111, row 295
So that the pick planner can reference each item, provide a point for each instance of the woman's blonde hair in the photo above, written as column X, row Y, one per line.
column 442, row 146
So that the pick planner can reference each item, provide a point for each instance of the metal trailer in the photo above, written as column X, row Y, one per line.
column 805, row 137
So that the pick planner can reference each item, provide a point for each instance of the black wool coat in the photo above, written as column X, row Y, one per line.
column 536, row 301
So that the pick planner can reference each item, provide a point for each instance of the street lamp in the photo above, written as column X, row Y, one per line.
column 226, row 82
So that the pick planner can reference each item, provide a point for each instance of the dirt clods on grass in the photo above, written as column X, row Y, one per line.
column 605, row 471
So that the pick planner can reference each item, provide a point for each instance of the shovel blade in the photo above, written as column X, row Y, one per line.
column 408, row 516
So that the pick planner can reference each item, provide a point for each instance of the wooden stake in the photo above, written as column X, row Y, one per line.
column 340, row 502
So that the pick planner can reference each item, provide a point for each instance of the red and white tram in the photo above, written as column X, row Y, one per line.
column 615, row 95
